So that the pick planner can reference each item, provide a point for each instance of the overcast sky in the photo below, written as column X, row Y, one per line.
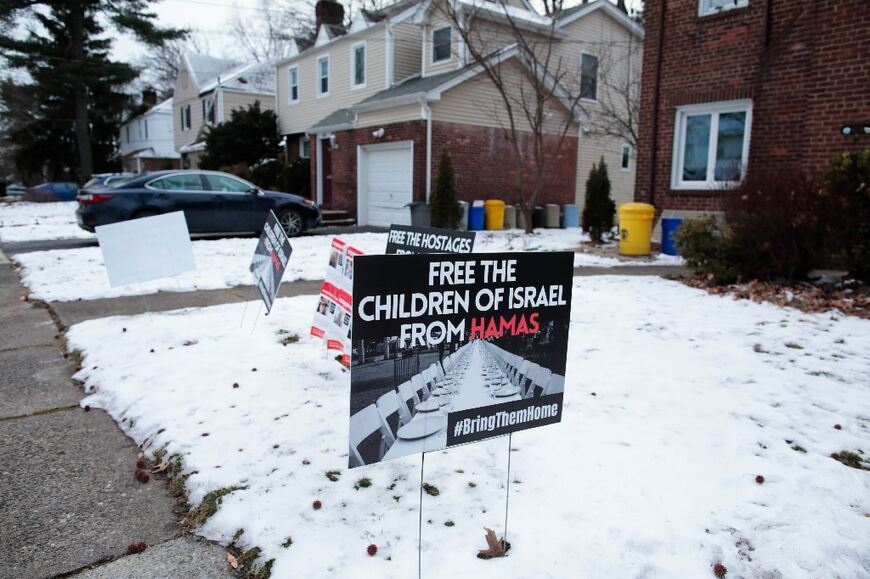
column 210, row 18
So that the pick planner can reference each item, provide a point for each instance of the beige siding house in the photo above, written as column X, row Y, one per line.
column 207, row 90
column 375, row 105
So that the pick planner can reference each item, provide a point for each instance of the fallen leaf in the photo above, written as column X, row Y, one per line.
column 495, row 548
column 234, row 563
column 161, row 467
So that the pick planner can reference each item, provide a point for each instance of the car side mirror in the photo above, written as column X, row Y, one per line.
column 254, row 191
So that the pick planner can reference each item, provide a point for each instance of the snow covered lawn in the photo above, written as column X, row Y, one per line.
column 675, row 402
column 25, row 221
column 71, row 274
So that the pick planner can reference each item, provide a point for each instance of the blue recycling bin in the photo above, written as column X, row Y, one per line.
column 669, row 228
column 570, row 216
column 475, row 218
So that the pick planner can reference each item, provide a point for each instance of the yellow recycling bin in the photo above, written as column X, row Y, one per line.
column 494, row 210
column 635, row 228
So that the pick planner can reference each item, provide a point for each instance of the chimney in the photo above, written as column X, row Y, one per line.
column 328, row 12
column 149, row 97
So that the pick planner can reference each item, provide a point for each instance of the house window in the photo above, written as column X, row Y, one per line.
column 715, row 6
column 358, row 70
column 588, row 76
column 208, row 111
column 711, row 145
column 146, row 128
column 127, row 131
column 441, row 48
column 323, row 76
column 304, row 147
column 185, row 117
column 625, row 157
column 293, row 82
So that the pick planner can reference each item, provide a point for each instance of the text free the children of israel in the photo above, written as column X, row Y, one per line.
column 483, row 273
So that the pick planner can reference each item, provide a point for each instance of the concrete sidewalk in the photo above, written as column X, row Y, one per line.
column 68, row 496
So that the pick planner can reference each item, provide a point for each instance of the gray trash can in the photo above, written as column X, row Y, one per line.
column 510, row 217
column 521, row 218
column 551, row 216
column 420, row 216
column 463, row 221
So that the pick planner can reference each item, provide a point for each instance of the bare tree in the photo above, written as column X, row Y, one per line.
column 268, row 31
column 160, row 66
column 617, row 112
column 539, row 95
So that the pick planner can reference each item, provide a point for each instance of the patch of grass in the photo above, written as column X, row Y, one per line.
column 794, row 346
column 850, row 459
column 287, row 542
column 238, row 534
column 362, row 483
column 291, row 339
column 759, row 349
column 210, row 505
column 472, row 484
column 449, row 523
column 263, row 572
column 333, row 475
column 799, row 448
column 431, row 490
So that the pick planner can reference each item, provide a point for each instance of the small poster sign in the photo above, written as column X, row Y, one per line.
column 457, row 348
column 332, row 316
column 409, row 239
column 146, row 249
column 270, row 260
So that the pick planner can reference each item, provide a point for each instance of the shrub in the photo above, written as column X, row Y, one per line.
column 444, row 202
column 706, row 246
column 296, row 178
column 599, row 208
column 775, row 225
column 847, row 210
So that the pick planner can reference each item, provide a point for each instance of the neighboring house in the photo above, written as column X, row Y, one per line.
column 207, row 91
column 375, row 104
column 737, row 85
column 146, row 141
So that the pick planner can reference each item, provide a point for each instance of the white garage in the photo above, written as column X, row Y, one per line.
column 385, row 183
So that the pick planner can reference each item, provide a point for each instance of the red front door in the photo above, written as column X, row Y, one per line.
column 326, row 168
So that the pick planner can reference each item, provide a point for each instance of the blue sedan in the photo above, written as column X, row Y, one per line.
column 212, row 202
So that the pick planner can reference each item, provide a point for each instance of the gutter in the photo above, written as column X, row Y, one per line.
column 660, row 41
column 406, row 99
column 427, row 113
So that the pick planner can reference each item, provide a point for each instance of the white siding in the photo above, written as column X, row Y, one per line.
column 408, row 45
column 389, row 116
column 438, row 19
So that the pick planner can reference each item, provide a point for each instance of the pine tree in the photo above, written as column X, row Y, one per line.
column 67, row 91
column 599, row 207
column 444, row 202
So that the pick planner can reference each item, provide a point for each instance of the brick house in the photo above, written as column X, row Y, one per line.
column 373, row 105
column 737, row 85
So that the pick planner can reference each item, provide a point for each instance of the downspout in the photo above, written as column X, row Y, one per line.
column 660, row 41
column 427, row 112
column 219, row 93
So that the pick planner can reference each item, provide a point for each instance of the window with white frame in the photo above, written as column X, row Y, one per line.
column 588, row 76
column 304, row 147
column 715, row 6
column 146, row 128
column 208, row 111
column 323, row 75
column 358, row 65
column 625, row 157
column 127, row 132
column 441, row 44
column 293, row 84
column 711, row 144
column 185, row 117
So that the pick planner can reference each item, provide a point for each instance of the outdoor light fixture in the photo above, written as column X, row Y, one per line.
column 333, row 142
column 855, row 129
column 379, row 134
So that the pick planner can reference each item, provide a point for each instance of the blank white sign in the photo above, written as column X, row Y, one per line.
column 146, row 249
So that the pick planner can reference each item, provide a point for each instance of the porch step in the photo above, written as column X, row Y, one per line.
column 336, row 218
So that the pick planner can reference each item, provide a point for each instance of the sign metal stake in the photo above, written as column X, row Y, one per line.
column 420, row 524
column 507, row 498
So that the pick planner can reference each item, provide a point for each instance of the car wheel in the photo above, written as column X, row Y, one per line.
column 291, row 221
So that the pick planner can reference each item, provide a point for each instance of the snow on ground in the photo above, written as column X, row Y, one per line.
column 71, row 274
column 25, row 221
column 676, row 400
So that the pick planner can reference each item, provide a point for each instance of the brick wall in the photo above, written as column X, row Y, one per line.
column 803, row 63
column 482, row 161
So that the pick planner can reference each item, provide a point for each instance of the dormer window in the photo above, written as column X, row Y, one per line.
column 358, row 65
column 441, row 44
column 323, row 76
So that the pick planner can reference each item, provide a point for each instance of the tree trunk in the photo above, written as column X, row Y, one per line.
column 80, row 92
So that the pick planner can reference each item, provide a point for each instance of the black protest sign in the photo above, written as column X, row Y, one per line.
column 408, row 239
column 270, row 260
column 457, row 349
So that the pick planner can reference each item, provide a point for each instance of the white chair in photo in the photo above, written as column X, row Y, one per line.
column 555, row 385
column 526, row 368
column 408, row 396
column 393, row 413
column 538, row 383
column 528, row 378
column 365, row 449
column 420, row 387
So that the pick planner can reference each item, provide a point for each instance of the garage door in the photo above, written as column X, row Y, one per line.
column 386, row 184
